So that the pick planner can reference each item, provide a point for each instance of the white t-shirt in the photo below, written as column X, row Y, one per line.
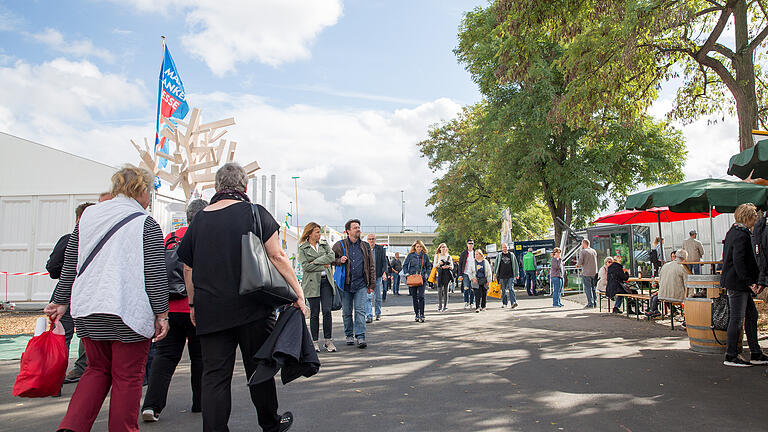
column 470, row 261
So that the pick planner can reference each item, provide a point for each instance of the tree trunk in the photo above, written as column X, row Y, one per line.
column 746, row 99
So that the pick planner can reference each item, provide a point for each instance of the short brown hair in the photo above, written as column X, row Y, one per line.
column 349, row 223
column 556, row 250
column 308, row 228
column 81, row 208
column 745, row 213
column 131, row 181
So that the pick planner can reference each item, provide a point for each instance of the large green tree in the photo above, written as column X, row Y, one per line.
column 520, row 149
column 619, row 52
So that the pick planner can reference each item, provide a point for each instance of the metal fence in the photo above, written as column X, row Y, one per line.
column 391, row 229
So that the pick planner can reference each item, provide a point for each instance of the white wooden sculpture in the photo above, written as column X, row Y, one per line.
column 196, row 153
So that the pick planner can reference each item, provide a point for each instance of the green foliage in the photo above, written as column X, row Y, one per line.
column 616, row 54
column 518, row 148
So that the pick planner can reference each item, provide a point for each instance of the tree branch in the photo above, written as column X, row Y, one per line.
column 717, row 31
column 724, row 50
column 757, row 40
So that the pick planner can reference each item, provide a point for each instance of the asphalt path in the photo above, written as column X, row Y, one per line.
column 534, row 368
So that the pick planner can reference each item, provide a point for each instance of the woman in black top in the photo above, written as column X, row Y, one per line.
column 617, row 276
column 739, row 278
column 210, row 251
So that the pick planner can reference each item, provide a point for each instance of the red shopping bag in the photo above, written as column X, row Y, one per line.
column 43, row 364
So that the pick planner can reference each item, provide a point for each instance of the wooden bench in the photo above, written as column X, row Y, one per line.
column 638, row 299
column 671, row 304
column 600, row 296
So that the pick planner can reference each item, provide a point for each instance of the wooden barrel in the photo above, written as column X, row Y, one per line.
column 698, row 322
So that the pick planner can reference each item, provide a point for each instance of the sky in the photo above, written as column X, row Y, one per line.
column 336, row 92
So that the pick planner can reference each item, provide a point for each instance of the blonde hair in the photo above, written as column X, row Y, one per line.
column 308, row 228
column 556, row 250
column 480, row 251
column 745, row 213
column 418, row 242
column 132, row 181
column 607, row 260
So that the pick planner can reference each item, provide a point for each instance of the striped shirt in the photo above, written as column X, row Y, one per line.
column 111, row 327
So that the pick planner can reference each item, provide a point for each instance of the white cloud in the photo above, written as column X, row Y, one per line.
column 272, row 32
column 350, row 163
column 57, row 103
column 79, row 48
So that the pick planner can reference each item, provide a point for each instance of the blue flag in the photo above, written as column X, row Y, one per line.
column 171, row 101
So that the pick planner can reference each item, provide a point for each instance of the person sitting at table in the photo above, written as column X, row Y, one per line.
column 617, row 277
column 671, row 283
column 602, row 275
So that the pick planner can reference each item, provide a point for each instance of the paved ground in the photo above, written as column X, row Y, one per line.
column 532, row 369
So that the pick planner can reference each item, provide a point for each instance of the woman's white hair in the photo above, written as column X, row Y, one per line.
column 231, row 176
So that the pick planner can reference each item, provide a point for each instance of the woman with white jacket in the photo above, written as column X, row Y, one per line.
column 602, row 275
column 479, row 273
column 444, row 265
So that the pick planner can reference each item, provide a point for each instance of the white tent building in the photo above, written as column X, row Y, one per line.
column 40, row 187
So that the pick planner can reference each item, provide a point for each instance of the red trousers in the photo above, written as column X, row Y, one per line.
column 110, row 364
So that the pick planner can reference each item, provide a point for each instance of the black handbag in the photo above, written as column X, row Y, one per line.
column 721, row 313
column 336, row 304
column 258, row 276
column 177, row 289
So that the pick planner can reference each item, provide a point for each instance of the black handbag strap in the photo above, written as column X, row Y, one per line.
column 106, row 237
column 257, row 220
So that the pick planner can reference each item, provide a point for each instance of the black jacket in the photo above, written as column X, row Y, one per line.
column 56, row 260
column 616, row 277
column 739, row 264
column 463, row 261
column 397, row 265
column 381, row 262
column 289, row 348
column 760, row 243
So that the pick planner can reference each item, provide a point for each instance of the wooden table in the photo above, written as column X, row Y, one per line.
column 687, row 265
column 643, row 281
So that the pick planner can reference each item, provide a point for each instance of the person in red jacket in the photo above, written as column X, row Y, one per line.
column 169, row 350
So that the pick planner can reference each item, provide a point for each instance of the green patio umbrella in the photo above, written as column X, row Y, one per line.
column 701, row 196
column 752, row 159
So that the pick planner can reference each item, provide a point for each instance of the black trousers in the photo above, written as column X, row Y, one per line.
column 167, row 356
column 481, row 294
column 324, row 303
column 219, row 350
column 742, row 313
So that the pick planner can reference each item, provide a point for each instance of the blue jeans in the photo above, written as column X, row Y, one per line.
column 354, row 303
column 530, row 282
column 466, row 287
column 557, row 291
column 396, row 283
column 588, row 282
column 418, row 299
column 695, row 269
column 375, row 298
column 508, row 284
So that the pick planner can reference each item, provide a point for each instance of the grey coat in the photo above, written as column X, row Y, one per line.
column 313, row 264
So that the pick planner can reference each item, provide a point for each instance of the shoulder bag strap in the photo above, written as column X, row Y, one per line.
column 257, row 220
column 106, row 237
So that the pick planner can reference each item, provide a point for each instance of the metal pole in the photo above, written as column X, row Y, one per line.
column 711, row 235
column 272, row 193
column 264, row 191
column 402, row 211
column 296, row 188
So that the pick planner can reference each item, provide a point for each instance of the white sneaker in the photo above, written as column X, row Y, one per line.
column 149, row 415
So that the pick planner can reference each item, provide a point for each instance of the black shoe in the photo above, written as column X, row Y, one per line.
column 286, row 420
column 416, row 319
column 421, row 319
column 758, row 358
column 616, row 311
column 378, row 317
column 72, row 377
column 736, row 362
column 369, row 320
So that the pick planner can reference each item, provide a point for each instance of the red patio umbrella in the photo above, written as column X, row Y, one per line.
column 655, row 214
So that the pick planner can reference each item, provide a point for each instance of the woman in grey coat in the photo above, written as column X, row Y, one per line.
column 315, row 257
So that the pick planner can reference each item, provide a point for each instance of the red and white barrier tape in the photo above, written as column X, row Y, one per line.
column 25, row 274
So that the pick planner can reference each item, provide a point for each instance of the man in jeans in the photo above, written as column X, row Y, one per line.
column 529, row 266
column 355, row 255
column 588, row 263
column 397, row 267
column 465, row 262
column 381, row 266
column 695, row 251
column 506, row 273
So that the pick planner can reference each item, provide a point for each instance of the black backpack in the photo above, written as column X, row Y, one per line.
column 177, row 289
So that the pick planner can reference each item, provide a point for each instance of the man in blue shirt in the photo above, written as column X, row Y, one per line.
column 360, row 280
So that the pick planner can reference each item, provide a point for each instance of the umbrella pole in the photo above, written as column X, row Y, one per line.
column 661, row 238
column 712, row 235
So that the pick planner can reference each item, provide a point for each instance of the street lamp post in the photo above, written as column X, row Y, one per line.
column 402, row 211
column 296, row 188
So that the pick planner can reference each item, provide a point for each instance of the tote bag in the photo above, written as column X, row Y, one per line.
column 340, row 272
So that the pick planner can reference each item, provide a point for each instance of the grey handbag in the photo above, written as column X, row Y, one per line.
column 258, row 276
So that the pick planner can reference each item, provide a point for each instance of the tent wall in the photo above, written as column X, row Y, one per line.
column 675, row 233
